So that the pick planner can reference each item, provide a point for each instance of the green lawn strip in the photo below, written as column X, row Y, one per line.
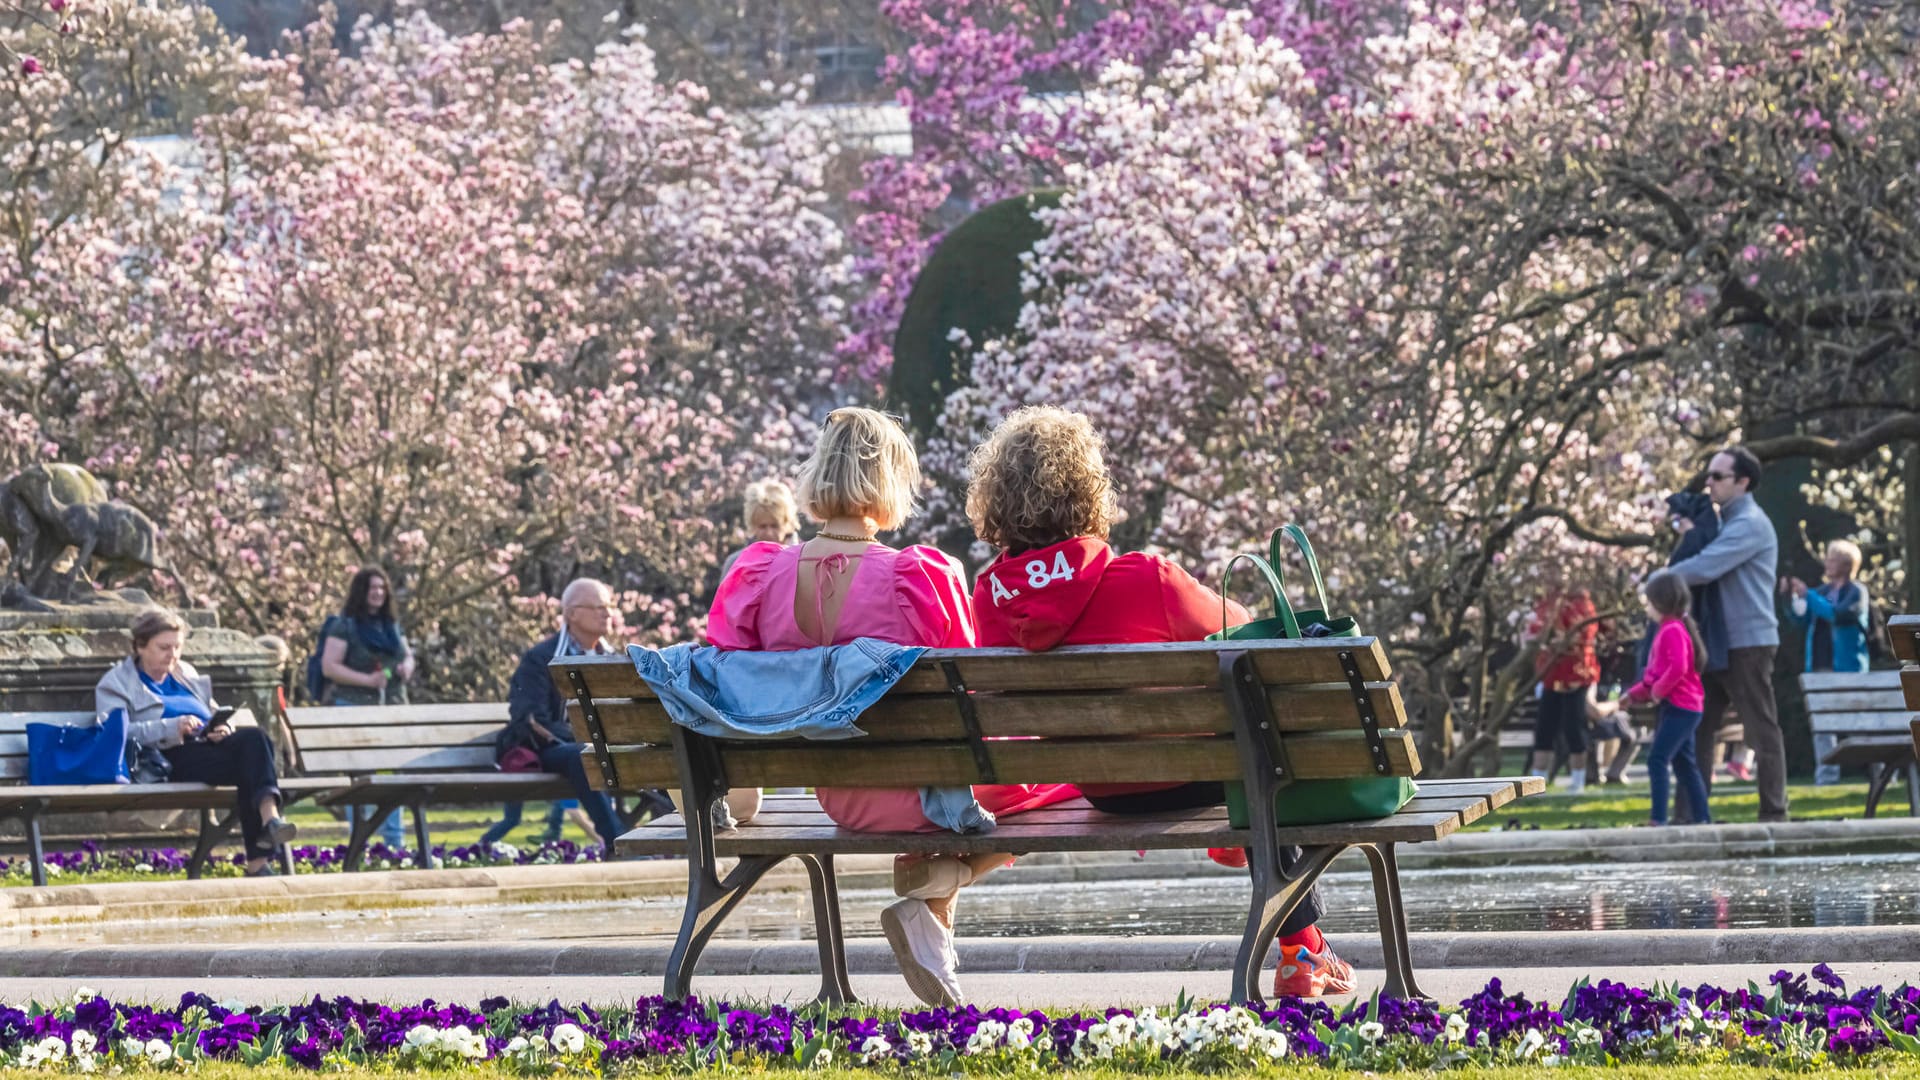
column 1628, row 805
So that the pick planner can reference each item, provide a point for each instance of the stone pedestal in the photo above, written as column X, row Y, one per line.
column 50, row 661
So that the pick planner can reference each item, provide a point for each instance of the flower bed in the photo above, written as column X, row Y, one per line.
column 91, row 859
column 1790, row 1024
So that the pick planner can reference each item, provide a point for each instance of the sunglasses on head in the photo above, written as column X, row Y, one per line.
column 1721, row 476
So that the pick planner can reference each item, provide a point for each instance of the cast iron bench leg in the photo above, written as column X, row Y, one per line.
column 212, row 831
column 709, row 902
column 1276, row 893
column 36, row 851
column 423, row 847
column 835, row 987
column 1393, row 922
column 363, row 829
column 1883, row 775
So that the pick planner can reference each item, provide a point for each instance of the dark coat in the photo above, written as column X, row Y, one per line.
column 1708, row 613
column 532, row 698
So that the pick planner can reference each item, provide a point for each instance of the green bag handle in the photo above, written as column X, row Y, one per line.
column 1280, row 604
column 1299, row 538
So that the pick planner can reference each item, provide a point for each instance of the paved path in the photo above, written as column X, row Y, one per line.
column 1067, row 990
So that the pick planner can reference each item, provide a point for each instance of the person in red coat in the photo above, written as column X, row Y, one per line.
column 1040, row 493
column 1567, row 669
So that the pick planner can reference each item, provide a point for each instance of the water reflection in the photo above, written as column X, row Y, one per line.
column 1779, row 893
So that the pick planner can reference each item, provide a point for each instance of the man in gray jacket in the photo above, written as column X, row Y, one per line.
column 1743, row 560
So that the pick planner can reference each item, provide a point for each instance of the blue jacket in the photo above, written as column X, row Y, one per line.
column 1841, row 613
column 1742, row 561
column 532, row 696
column 803, row 693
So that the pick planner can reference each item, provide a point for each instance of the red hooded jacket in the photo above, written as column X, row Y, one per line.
column 1078, row 592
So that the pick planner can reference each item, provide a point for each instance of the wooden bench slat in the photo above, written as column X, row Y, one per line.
column 1817, row 682
column 1861, row 722
column 383, row 738
column 404, row 716
column 929, row 717
column 1857, row 700
column 15, row 723
column 1315, row 756
column 458, row 758
column 1103, row 667
column 1869, row 750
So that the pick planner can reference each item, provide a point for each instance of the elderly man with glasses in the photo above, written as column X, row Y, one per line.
column 537, row 713
column 1743, row 560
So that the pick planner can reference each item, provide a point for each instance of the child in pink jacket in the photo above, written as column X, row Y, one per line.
column 1672, row 681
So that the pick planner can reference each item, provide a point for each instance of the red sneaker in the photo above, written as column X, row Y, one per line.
column 1229, row 856
column 1739, row 770
column 1305, row 973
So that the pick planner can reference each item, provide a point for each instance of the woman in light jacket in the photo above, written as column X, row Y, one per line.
column 170, row 707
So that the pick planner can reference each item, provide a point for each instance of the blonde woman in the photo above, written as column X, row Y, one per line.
column 770, row 515
column 845, row 584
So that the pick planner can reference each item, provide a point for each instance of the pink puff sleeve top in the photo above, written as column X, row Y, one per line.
column 913, row 596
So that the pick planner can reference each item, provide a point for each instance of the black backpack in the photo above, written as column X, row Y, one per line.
column 316, row 679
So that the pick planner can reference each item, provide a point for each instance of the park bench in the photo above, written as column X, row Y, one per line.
column 1868, row 713
column 1261, row 714
column 390, row 757
column 29, row 804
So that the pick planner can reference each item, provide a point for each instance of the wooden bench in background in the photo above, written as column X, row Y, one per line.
column 29, row 804
column 1261, row 714
column 389, row 757
column 1868, row 713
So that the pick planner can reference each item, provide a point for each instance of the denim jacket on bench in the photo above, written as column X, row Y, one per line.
column 805, row 693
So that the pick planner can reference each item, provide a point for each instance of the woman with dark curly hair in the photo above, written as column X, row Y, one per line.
column 1041, row 493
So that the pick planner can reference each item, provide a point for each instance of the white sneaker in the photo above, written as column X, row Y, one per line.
column 924, row 949
column 1576, row 782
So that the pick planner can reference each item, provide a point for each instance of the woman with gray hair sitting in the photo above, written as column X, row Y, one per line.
column 169, row 706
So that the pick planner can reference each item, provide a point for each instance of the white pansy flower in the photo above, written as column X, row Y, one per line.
column 919, row 1043
column 131, row 1048
column 1530, row 1043
column 159, row 1052
column 515, row 1045
column 422, row 1036
column 1372, row 1031
column 1587, row 1036
column 569, row 1039
column 84, row 993
column 875, row 1046
column 83, row 1041
column 53, row 1049
column 1456, row 1028
column 823, row 1059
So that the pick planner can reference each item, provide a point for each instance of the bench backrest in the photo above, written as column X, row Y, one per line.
column 1087, row 714
column 1855, row 702
column 13, row 739
column 396, row 738
column 13, row 736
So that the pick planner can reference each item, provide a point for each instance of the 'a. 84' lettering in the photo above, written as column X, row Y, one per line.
column 1039, row 576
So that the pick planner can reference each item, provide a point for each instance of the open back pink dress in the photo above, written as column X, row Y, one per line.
column 911, row 596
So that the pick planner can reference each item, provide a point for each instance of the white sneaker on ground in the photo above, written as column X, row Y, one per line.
column 1576, row 782
column 924, row 949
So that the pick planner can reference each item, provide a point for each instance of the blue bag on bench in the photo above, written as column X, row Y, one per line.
column 78, row 754
column 1307, row 802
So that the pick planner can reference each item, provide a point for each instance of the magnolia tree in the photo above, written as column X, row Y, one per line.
column 483, row 319
column 992, row 92
column 1468, row 313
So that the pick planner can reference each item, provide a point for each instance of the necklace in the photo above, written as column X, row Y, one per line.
column 825, row 535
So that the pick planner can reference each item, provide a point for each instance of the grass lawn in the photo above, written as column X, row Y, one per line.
column 1603, row 807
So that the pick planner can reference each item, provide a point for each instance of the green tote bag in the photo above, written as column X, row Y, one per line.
column 1306, row 802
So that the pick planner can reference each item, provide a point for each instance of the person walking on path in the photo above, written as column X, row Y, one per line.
column 1834, row 618
column 1672, row 683
column 1568, row 670
column 1743, row 560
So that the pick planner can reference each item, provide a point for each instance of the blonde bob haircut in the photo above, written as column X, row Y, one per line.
column 770, row 498
column 1850, row 551
column 863, row 465
column 1039, row 479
